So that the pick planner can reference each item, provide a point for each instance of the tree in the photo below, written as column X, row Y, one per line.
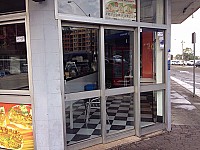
column 178, row 56
column 188, row 54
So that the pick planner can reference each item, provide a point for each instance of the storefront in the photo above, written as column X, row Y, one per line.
column 79, row 73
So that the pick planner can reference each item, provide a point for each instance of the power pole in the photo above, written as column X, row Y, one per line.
column 182, row 42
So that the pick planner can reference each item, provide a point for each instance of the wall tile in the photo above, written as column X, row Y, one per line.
column 55, row 113
column 38, row 60
column 46, row 5
column 55, row 133
column 39, row 74
column 40, row 100
column 37, row 18
column 41, row 114
column 42, row 140
column 58, row 147
column 53, row 73
column 49, row 18
column 54, row 100
column 37, row 46
column 52, row 60
column 39, row 87
column 53, row 86
column 52, row 45
column 41, row 127
column 37, row 32
column 51, row 32
column 43, row 148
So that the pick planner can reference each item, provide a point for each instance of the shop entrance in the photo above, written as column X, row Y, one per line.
column 98, row 81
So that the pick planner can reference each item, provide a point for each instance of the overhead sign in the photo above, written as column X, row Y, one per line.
column 121, row 9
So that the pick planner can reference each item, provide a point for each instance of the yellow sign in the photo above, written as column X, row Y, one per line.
column 16, row 127
column 121, row 9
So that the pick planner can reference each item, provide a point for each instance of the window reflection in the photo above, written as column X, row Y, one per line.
column 10, row 6
column 152, row 108
column 90, row 8
column 13, row 57
column 118, row 58
column 80, row 59
column 152, row 56
column 152, row 11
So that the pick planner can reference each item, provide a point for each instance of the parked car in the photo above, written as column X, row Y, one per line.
column 190, row 62
column 197, row 63
column 174, row 62
column 4, row 73
column 177, row 62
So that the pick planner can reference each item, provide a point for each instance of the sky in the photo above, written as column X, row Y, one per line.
column 183, row 32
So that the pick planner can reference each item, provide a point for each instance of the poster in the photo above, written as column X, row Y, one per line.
column 121, row 9
column 16, row 130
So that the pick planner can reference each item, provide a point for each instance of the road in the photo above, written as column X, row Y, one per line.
column 185, row 74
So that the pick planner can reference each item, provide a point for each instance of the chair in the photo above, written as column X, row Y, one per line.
column 92, row 103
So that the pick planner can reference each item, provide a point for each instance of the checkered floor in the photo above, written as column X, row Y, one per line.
column 119, row 113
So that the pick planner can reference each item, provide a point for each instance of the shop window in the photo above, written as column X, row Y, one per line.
column 80, row 60
column 152, row 56
column 10, row 6
column 152, row 108
column 89, row 8
column 118, row 58
column 119, row 113
column 120, row 10
column 152, row 11
column 13, row 57
column 83, row 119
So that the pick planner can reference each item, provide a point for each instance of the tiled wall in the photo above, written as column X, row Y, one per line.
column 44, row 46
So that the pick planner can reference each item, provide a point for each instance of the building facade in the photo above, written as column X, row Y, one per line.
column 83, row 72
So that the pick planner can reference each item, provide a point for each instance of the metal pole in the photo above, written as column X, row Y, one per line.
column 194, row 73
column 194, row 41
column 182, row 49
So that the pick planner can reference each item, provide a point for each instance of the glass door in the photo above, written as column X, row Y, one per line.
column 119, row 77
column 81, row 82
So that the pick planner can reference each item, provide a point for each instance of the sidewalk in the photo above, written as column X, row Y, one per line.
column 185, row 134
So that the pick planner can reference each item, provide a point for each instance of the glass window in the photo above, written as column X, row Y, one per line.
column 152, row 56
column 118, row 58
column 120, row 9
column 83, row 119
column 90, row 8
column 152, row 11
column 10, row 6
column 152, row 108
column 80, row 54
column 119, row 113
column 13, row 57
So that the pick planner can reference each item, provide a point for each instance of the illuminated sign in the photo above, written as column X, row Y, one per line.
column 16, row 126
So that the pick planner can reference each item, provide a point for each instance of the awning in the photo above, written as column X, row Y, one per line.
column 182, row 9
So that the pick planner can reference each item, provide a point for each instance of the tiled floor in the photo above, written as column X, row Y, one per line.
column 120, row 113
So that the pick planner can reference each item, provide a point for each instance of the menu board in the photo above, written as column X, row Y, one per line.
column 16, row 130
column 121, row 9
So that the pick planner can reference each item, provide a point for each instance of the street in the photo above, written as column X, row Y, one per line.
column 185, row 74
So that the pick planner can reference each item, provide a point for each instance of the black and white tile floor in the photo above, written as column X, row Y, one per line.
column 120, row 115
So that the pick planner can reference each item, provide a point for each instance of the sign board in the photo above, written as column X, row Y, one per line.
column 16, row 130
column 20, row 39
column 193, row 37
column 121, row 9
